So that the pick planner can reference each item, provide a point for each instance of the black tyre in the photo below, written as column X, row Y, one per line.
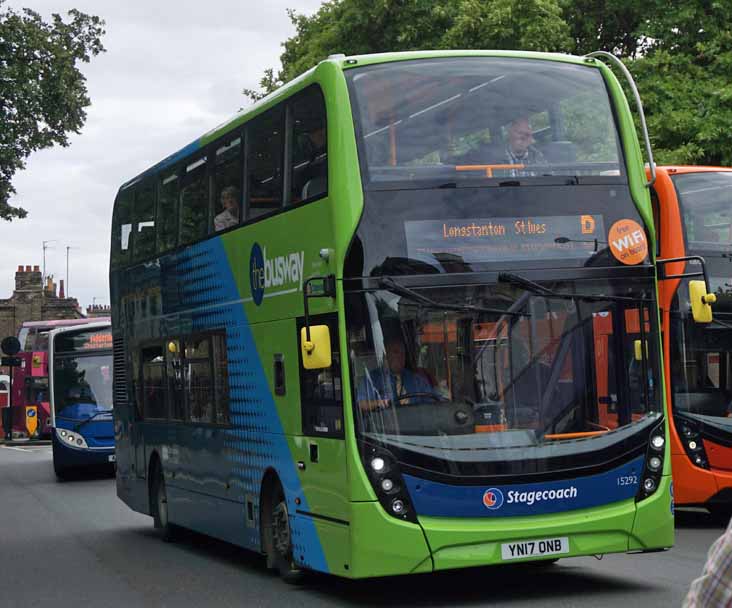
column 62, row 473
column 277, row 537
column 720, row 512
column 159, row 503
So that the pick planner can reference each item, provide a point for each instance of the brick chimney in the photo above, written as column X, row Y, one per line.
column 61, row 293
column 27, row 279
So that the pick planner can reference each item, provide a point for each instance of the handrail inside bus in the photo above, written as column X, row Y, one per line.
column 559, row 436
column 621, row 66
column 487, row 168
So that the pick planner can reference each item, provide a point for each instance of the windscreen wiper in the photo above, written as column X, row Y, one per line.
column 92, row 417
column 527, row 285
column 390, row 285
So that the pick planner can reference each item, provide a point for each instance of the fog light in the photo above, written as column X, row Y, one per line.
column 692, row 445
column 387, row 485
column 649, row 485
column 78, row 442
column 657, row 441
column 378, row 464
column 654, row 463
column 397, row 506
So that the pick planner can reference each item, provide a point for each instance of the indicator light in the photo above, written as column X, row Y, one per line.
column 397, row 506
column 387, row 485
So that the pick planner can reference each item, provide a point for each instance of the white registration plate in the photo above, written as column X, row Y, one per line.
column 112, row 458
column 535, row 548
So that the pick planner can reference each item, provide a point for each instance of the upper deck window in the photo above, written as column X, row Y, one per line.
column 455, row 121
column 706, row 206
column 265, row 157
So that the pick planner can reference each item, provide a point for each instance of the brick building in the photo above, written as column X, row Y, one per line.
column 34, row 301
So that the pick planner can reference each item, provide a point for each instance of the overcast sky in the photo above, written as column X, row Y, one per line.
column 172, row 71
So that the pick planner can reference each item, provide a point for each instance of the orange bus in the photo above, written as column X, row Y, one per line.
column 693, row 209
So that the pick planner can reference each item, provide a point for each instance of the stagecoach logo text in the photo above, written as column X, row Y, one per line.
column 493, row 498
column 283, row 271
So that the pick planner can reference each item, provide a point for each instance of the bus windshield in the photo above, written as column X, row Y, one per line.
column 701, row 354
column 706, row 205
column 486, row 367
column 82, row 385
column 463, row 121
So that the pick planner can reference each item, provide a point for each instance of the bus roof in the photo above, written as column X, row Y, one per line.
column 342, row 62
column 679, row 169
column 53, row 323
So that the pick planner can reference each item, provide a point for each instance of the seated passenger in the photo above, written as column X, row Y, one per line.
column 518, row 150
column 230, row 204
column 313, row 151
column 396, row 385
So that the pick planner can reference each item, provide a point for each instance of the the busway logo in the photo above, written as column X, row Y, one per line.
column 284, row 271
column 493, row 499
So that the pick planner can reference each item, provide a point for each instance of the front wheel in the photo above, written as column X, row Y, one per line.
column 62, row 473
column 160, row 507
column 721, row 512
column 278, row 538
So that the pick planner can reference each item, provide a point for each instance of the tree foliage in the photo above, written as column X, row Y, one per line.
column 679, row 52
column 43, row 94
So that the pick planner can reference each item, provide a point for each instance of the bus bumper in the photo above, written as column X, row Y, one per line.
column 613, row 528
column 70, row 458
column 382, row 545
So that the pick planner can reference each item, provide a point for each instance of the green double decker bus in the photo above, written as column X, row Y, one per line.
column 398, row 316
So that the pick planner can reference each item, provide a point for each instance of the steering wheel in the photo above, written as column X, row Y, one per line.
column 419, row 395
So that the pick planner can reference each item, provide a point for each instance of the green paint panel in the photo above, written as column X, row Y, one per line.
column 461, row 543
column 382, row 545
column 654, row 523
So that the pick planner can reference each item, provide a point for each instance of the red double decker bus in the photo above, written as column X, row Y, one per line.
column 29, row 393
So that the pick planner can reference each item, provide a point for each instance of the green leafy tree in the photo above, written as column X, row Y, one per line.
column 361, row 26
column 609, row 25
column 684, row 81
column 43, row 94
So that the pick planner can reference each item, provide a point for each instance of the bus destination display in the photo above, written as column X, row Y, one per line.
column 74, row 342
column 505, row 238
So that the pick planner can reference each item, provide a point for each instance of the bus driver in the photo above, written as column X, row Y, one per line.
column 397, row 384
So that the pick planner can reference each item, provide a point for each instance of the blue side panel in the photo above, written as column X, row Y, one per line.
column 443, row 500
column 256, row 442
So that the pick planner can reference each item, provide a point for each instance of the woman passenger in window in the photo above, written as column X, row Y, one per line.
column 230, row 214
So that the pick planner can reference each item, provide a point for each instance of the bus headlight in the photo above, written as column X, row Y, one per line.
column 691, row 439
column 71, row 439
column 386, row 480
column 653, row 469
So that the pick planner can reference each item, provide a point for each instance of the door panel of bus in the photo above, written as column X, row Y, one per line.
column 323, row 481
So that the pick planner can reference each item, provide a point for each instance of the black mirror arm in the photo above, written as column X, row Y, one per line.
column 328, row 291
